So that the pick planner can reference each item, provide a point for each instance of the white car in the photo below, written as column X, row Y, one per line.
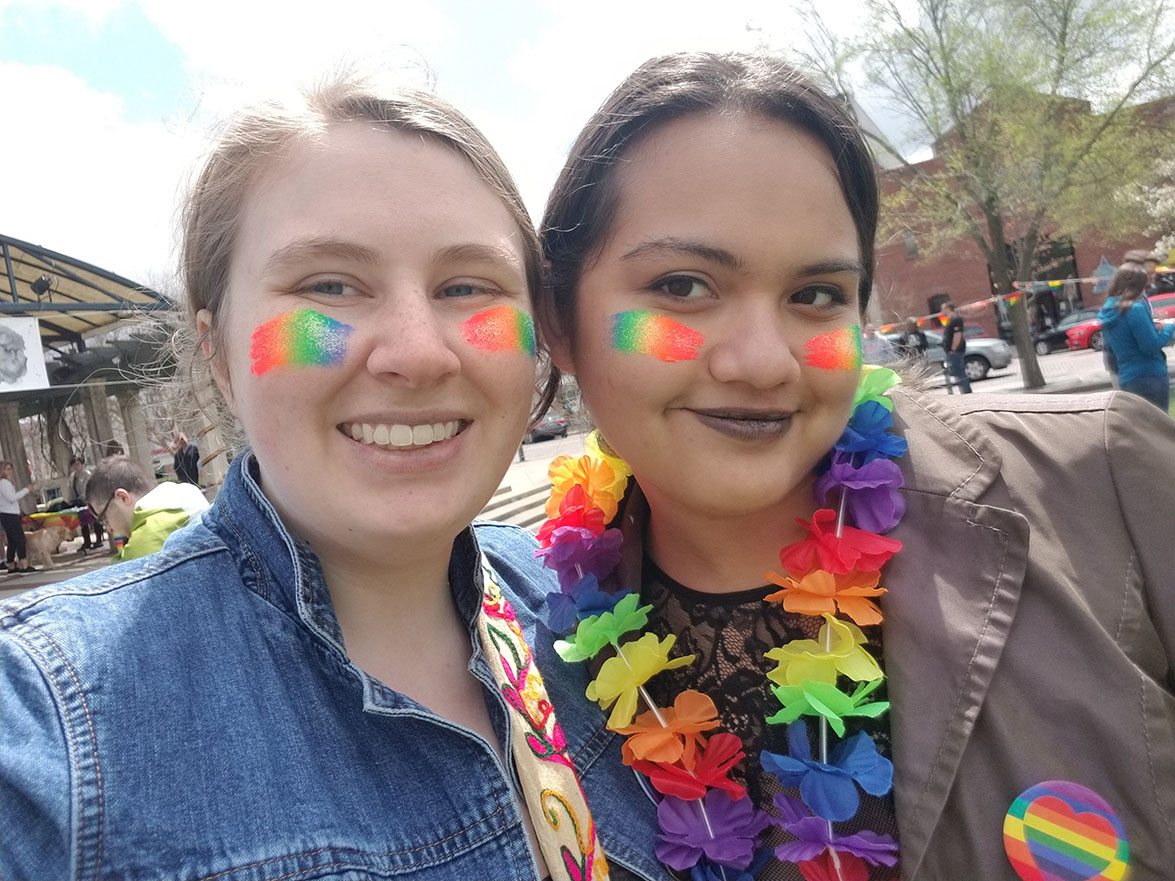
column 983, row 355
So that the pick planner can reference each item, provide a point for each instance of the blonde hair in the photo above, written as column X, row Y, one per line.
column 260, row 135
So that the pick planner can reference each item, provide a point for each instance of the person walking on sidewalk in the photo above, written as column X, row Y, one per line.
column 186, row 461
column 16, row 556
column 1134, row 335
column 79, row 476
column 954, row 344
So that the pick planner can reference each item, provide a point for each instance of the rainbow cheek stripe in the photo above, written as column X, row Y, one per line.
column 647, row 333
column 304, row 338
column 1061, row 831
column 839, row 349
column 501, row 329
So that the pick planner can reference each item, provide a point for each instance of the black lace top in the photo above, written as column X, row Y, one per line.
column 730, row 635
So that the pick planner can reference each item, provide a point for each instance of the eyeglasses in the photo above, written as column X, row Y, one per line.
column 100, row 516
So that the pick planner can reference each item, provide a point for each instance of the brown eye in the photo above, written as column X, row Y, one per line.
column 681, row 287
column 821, row 298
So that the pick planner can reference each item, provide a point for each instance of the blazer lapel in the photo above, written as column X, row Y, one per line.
column 953, row 593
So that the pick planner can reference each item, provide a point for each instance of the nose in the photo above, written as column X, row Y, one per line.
column 409, row 342
column 754, row 347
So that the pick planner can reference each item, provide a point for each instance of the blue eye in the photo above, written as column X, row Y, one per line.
column 821, row 297
column 329, row 287
column 461, row 290
column 681, row 287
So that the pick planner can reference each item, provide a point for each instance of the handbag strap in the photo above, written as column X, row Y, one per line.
column 559, row 812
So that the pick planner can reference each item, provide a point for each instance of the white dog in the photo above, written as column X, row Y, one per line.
column 43, row 543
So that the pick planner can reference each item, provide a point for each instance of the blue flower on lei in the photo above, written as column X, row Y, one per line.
column 868, row 433
column 582, row 601
column 829, row 790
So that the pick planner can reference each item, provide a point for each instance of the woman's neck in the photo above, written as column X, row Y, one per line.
column 723, row 554
column 397, row 615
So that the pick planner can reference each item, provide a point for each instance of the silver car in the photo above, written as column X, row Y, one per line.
column 984, row 354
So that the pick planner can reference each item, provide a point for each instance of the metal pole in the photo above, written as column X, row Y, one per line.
column 8, row 269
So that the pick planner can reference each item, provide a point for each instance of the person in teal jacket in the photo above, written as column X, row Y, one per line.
column 1128, row 327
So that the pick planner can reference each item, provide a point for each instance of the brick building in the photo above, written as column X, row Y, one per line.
column 911, row 282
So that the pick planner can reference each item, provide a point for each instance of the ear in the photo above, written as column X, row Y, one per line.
column 206, row 334
column 554, row 335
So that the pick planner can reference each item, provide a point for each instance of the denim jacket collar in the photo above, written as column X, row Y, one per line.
column 284, row 571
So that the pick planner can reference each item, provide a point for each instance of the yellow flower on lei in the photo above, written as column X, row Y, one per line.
column 620, row 677
column 806, row 660
column 596, row 446
column 600, row 483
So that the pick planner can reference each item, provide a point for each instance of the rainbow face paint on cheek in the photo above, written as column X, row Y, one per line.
column 303, row 338
column 838, row 349
column 641, row 332
column 501, row 329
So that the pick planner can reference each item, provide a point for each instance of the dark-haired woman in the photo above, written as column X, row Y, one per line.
column 907, row 690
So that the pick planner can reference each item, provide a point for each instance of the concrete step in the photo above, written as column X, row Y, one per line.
column 525, row 508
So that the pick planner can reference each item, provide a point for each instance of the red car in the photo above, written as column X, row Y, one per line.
column 1088, row 334
column 1163, row 304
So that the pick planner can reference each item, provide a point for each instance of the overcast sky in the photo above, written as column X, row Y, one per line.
column 107, row 103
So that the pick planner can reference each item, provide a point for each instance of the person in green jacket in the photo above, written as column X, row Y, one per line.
column 124, row 497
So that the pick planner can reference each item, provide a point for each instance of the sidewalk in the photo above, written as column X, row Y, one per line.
column 1064, row 373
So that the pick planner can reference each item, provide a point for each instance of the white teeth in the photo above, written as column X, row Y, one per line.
column 398, row 435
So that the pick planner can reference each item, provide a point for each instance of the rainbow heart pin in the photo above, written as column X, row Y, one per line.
column 1062, row 831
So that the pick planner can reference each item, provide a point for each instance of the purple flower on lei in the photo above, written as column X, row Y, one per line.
column 575, row 552
column 813, row 836
column 874, row 503
column 583, row 600
column 685, row 838
column 829, row 790
column 868, row 433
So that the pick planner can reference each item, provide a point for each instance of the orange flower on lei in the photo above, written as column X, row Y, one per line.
column 820, row 592
column 600, row 483
column 679, row 736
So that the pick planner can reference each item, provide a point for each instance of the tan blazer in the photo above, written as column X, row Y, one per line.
column 1030, row 622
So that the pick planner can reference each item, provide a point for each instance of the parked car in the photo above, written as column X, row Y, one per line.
column 550, row 426
column 984, row 354
column 1163, row 305
column 1055, row 337
column 1085, row 335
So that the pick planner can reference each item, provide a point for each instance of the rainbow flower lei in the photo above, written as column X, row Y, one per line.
column 708, row 826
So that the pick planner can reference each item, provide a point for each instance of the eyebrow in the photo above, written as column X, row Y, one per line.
column 685, row 246
column 314, row 248
column 726, row 258
column 306, row 249
column 477, row 252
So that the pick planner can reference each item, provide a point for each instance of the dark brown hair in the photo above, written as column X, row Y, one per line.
column 1127, row 284
column 584, row 200
column 118, row 472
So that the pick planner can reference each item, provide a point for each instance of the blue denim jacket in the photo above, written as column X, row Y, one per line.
column 194, row 714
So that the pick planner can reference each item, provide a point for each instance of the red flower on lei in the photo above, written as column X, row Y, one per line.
column 854, row 549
